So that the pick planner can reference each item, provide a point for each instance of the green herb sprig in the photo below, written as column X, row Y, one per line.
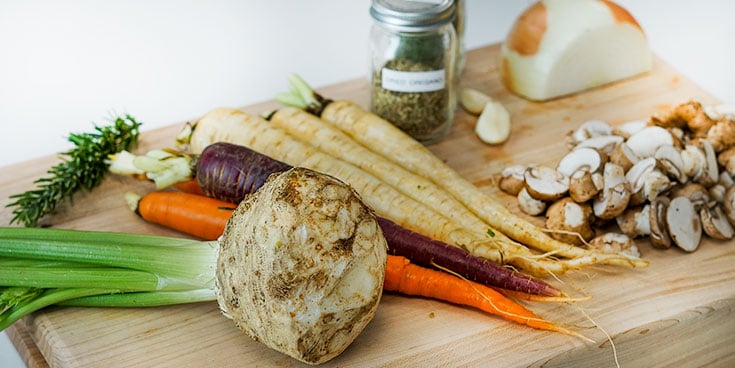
column 82, row 167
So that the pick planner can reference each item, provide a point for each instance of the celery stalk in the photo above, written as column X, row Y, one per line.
column 42, row 267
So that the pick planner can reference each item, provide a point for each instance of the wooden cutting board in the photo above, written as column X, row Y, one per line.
column 676, row 312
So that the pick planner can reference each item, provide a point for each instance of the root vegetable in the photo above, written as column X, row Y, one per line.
column 369, row 129
column 198, row 220
column 407, row 278
column 301, row 266
column 557, row 47
column 196, row 215
column 384, row 199
column 328, row 139
column 225, row 185
column 366, row 128
column 305, row 246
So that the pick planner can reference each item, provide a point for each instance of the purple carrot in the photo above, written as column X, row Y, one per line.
column 229, row 172
column 428, row 252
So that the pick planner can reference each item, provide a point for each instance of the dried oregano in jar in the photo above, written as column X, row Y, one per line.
column 413, row 51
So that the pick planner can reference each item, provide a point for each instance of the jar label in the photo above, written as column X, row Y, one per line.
column 402, row 81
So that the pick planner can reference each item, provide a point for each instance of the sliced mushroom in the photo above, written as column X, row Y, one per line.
column 728, row 205
column 689, row 114
column 726, row 159
column 683, row 223
column 720, row 111
column 659, row 232
column 645, row 142
column 655, row 183
column 670, row 161
column 722, row 135
column 545, row 183
column 714, row 222
column 587, row 157
column 570, row 221
column 615, row 194
column 622, row 155
column 636, row 176
column 603, row 143
column 635, row 221
column 511, row 179
column 711, row 172
column 694, row 161
column 697, row 193
column 615, row 243
column 717, row 193
column 584, row 185
column 725, row 179
column 530, row 205
column 589, row 129
column 629, row 128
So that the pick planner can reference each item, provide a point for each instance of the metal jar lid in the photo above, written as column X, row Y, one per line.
column 413, row 15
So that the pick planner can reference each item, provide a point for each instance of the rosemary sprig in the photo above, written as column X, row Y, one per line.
column 82, row 167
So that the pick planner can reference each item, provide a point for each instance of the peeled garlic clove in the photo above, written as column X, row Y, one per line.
column 473, row 100
column 493, row 125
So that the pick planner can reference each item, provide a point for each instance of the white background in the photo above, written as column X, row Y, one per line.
column 67, row 64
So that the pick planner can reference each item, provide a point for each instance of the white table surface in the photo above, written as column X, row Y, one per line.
column 66, row 65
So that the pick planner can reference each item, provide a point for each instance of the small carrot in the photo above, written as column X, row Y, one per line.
column 189, row 186
column 196, row 215
column 409, row 279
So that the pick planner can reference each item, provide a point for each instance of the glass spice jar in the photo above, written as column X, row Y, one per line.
column 413, row 51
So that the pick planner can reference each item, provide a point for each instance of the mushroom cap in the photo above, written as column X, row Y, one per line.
column 545, row 183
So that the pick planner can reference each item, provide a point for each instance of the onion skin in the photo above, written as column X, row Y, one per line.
column 557, row 48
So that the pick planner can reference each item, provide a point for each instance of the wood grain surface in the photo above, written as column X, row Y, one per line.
column 679, row 311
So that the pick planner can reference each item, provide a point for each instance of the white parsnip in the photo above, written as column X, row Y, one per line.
column 260, row 135
column 368, row 128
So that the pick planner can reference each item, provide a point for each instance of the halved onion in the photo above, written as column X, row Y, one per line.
column 560, row 47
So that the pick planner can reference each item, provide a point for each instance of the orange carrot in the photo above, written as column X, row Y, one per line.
column 196, row 215
column 409, row 279
column 189, row 186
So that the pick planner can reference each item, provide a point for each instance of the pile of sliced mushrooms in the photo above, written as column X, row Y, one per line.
column 669, row 178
